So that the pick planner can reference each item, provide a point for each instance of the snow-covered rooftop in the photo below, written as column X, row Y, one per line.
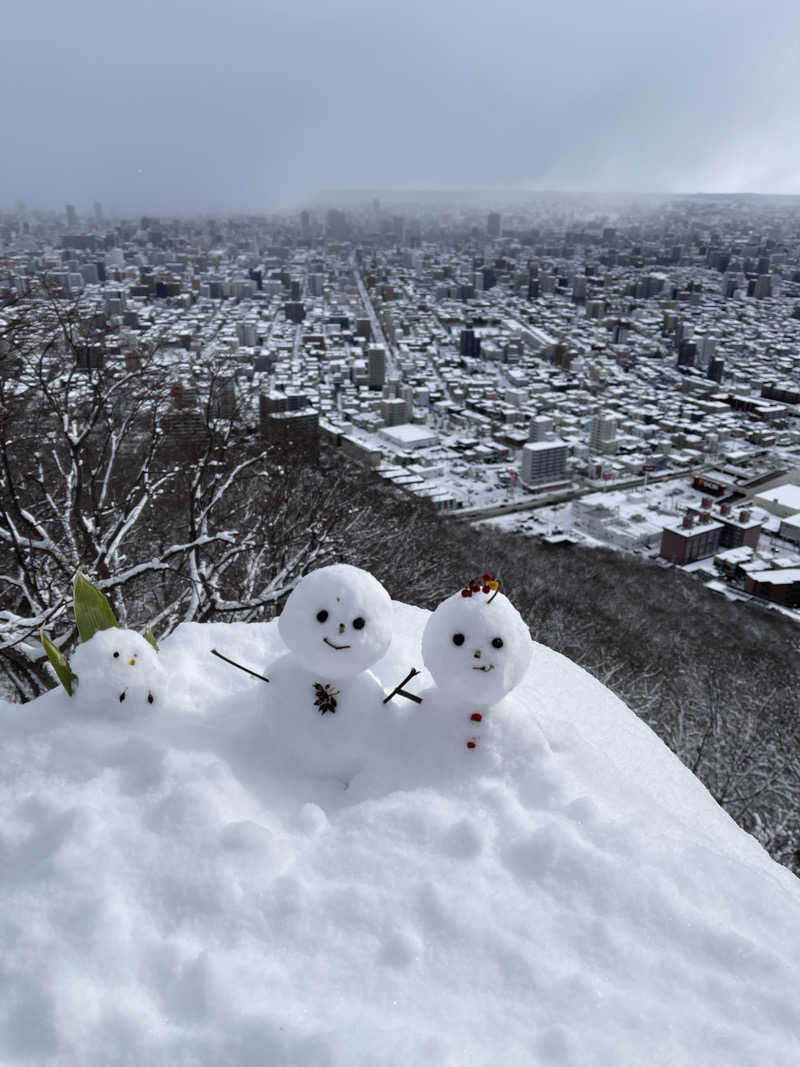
column 408, row 435
column 785, row 496
column 788, row 576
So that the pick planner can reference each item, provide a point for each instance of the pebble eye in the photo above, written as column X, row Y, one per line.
column 497, row 642
column 149, row 698
column 358, row 623
column 322, row 615
column 116, row 655
column 458, row 639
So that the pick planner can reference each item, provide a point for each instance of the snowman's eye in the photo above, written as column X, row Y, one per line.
column 497, row 642
column 322, row 615
column 149, row 698
column 116, row 655
column 358, row 623
column 458, row 639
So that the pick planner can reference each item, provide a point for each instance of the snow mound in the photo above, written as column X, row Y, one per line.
column 175, row 892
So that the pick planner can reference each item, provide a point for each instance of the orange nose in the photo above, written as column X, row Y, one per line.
column 133, row 662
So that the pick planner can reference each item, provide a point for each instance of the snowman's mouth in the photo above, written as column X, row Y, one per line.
column 490, row 667
column 332, row 645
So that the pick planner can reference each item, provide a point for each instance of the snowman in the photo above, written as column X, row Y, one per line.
column 477, row 648
column 118, row 674
column 322, row 698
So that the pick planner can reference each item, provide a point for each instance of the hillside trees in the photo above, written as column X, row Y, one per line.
column 148, row 473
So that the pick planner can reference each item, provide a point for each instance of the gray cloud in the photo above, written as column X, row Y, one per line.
column 177, row 106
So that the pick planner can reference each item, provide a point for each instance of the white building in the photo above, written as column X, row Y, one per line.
column 540, row 426
column 603, row 433
column 544, row 462
column 783, row 500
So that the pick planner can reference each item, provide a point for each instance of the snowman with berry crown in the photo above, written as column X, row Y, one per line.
column 476, row 648
column 322, row 699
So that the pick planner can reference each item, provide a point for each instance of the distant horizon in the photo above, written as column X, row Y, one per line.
column 355, row 197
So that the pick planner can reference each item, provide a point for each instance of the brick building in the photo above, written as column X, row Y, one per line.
column 691, row 540
column 703, row 532
column 782, row 587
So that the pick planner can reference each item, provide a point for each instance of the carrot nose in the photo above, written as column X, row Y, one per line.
column 133, row 662
column 477, row 655
column 341, row 627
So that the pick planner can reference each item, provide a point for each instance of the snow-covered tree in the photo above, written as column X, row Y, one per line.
column 146, row 470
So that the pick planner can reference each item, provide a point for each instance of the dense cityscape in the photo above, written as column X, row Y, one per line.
column 623, row 374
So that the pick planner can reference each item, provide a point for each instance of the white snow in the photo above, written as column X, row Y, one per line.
column 175, row 891
column 337, row 621
column 119, row 675
column 477, row 648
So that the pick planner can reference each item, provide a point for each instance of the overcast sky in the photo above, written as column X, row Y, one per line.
column 185, row 105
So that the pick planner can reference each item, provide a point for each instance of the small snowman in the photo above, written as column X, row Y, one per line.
column 322, row 697
column 118, row 674
column 477, row 648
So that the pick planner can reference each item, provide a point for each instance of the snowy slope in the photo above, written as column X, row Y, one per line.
column 174, row 893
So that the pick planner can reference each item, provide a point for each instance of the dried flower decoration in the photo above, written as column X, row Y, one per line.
column 489, row 584
column 325, row 700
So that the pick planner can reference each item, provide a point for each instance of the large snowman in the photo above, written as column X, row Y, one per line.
column 322, row 699
column 118, row 675
column 477, row 648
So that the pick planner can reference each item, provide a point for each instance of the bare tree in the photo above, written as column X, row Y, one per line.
column 145, row 472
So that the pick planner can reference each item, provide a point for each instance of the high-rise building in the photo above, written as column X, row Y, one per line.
column 493, row 224
column 544, row 462
column 687, row 353
column 603, row 433
column 470, row 343
column 716, row 368
column 72, row 215
column 762, row 287
column 394, row 412
column 98, row 211
column 376, row 357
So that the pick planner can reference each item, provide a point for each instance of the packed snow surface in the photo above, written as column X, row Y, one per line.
column 178, row 891
column 337, row 621
column 477, row 648
column 119, row 675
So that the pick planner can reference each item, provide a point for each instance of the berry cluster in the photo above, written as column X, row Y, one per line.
column 489, row 584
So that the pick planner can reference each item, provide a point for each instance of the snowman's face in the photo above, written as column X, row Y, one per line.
column 338, row 621
column 476, row 651
column 118, row 672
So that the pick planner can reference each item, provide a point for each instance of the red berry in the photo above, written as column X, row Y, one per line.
column 476, row 716
column 486, row 589
column 466, row 592
column 487, row 577
column 470, row 744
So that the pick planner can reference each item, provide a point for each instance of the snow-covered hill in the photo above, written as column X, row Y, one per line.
column 174, row 892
